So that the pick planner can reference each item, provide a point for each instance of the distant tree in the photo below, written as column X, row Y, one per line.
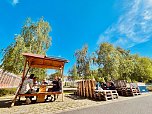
column 113, row 63
column 57, row 73
column 144, row 69
column 13, row 60
column 34, row 38
column 108, row 61
column 127, row 63
column 73, row 73
column 83, row 62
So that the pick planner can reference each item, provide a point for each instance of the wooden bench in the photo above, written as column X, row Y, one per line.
column 40, row 95
column 37, row 94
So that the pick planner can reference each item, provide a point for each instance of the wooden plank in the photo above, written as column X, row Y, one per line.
column 86, row 85
column 42, row 93
column 90, row 91
column 93, row 87
column 80, row 88
column 83, row 88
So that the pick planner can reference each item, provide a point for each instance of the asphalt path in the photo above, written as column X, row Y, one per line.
column 140, row 105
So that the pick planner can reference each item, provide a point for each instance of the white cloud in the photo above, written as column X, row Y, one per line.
column 14, row 2
column 133, row 27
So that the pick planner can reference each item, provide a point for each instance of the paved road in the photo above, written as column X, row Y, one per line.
column 141, row 105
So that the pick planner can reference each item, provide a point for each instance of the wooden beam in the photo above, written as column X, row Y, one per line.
column 20, row 86
column 45, row 66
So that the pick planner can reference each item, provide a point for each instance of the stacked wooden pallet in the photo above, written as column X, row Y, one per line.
column 105, row 94
column 127, row 89
column 86, row 88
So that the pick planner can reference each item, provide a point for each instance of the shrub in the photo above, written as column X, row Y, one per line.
column 149, row 88
column 7, row 91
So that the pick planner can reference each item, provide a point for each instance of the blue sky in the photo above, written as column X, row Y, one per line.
column 125, row 23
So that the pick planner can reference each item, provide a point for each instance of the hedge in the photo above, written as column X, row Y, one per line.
column 7, row 91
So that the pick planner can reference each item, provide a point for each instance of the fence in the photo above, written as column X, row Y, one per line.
column 8, row 80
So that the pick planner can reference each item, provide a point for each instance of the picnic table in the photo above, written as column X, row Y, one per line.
column 40, row 96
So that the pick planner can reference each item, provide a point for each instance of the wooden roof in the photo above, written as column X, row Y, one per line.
column 41, row 61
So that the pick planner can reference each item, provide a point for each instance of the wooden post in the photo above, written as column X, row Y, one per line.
column 61, row 70
column 19, row 88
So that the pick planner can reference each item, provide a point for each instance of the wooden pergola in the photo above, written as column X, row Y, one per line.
column 41, row 61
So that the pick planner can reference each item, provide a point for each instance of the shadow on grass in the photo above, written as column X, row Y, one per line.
column 5, row 103
column 75, row 97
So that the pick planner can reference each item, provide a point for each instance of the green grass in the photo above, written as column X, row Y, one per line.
column 7, row 91
column 69, row 92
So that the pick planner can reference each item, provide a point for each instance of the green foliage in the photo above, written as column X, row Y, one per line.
column 7, row 91
column 57, row 73
column 117, row 63
column 149, row 88
column 144, row 69
column 13, row 59
column 34, row 38
column 126, row 63
column 114, row 63
column 108, row 60
column 83, row 62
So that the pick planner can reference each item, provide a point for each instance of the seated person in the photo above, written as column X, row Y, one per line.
column 112, row 86
column 108, row 85
column 98, row 86
column 56, row 87
column 43, row 82
column 27, row 88
column 35, row 84
column 103, row 86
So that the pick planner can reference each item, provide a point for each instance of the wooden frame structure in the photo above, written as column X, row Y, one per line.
column 40, row 61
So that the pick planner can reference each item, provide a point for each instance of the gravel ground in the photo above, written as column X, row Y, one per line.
column 70, row 103
column 137, row 105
